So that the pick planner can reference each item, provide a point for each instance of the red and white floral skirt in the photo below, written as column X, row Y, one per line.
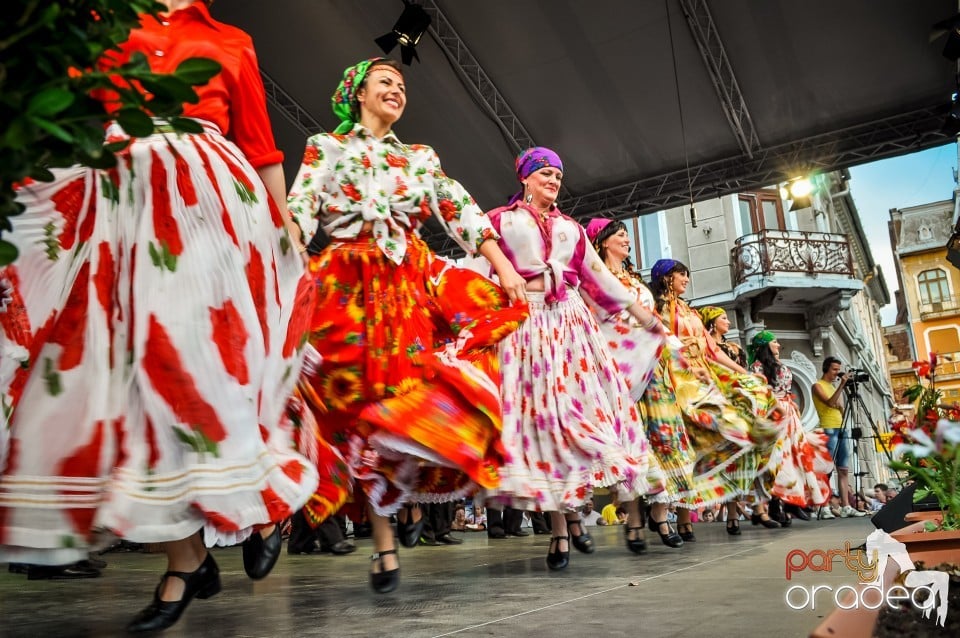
column 157, row 310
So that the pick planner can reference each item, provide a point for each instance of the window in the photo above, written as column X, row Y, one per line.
column 761, row 210
column 934, row 286
column 647, row 236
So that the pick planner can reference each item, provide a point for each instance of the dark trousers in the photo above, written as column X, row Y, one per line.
column 507, row 521
column 305, row 538
column 437, row 519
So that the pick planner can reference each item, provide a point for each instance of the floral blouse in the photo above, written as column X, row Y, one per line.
column 557, row 247
column 346, row 180
column 782, row 385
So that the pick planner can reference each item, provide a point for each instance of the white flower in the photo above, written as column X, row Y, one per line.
column 925, row 446
column 948, row 431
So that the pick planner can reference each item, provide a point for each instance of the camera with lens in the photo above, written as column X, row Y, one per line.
column 856, row 375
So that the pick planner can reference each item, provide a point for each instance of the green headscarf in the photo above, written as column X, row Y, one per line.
column 344, row 100
column 760, row 339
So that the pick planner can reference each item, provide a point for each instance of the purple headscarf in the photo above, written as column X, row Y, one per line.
column 531, row 161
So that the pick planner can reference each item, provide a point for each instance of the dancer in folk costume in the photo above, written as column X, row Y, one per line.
column 408, row 387
column 799, row 465
column 666, row 429
column 163, row 310
column 736, row 412
column 570, row 424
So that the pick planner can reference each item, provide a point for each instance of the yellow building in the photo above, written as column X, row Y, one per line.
column 929, row 301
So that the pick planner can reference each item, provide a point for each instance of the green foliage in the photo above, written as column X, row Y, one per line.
column 48, row 76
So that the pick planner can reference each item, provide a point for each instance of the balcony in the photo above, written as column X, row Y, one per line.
column 946, row 307
column 793, row 268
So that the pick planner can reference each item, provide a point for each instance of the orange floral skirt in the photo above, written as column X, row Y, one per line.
column 408, row 389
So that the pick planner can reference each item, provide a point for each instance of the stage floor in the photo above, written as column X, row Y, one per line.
column 719, row 586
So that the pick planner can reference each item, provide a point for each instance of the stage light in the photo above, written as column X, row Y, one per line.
column 410, row 27
column 951, row 125
column 801, row 202
column 801, row 187
column 798, row 191
column 950, row 27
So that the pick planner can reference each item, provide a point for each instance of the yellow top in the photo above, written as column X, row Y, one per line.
column 830, row 418
column 609, row 513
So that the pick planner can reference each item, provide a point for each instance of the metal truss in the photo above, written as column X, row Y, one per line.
column 289, row 107
column 897, row 135
column 721, row 73
column 475, row 77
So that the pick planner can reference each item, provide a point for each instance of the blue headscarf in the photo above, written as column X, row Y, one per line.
column 662, row 267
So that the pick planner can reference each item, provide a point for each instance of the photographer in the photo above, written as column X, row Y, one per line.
column 828, row 401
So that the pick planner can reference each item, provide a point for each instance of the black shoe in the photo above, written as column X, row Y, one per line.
column 539, row 532
column 294, row 550
column 797, row 511
column 449, row 539
column 519, row 533
column 733, row 527
column 636, row 545
column 384, row 581
column 93, row 563
column 60, row 572
column 669, row 538
column 341, row 548
column 769, row 523
column 429, row 542
column 583, row 542
column 496, row 532
column 686, row 532
column 409, row 532
column 260, row 554
column 557, row 560
column 18, row 568
column 160, row 614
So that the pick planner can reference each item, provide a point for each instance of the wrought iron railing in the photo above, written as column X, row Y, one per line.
column 772, row 252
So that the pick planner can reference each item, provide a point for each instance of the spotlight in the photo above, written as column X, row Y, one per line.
column 801, row 202
column 950, row 26
column 953, row 249
column 951, row 125
column 410, row 26
column 798, row 190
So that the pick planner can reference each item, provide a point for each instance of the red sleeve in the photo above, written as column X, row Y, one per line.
column 250, row 124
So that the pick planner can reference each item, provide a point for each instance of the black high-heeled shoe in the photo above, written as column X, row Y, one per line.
column 260, row 554
column 734, row 529
column 769, row 523
column 636, row 545
column 557, row 560
column 384, row 581
column 409, row 532
column 686, row 534
column 670, row 538
column 583, row 542
column 202, row 583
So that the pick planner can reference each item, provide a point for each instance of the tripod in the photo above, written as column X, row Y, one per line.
column 854, row 411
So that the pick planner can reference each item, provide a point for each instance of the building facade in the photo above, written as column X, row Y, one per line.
column 928, row 307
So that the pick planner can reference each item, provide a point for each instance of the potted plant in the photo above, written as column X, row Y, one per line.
column 927, row 450
column 49, row 75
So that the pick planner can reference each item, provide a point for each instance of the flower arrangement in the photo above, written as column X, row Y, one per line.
column 927, row 450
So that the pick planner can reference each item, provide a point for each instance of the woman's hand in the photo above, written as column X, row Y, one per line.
column 510, row 280
column 512, row 283
column 648, row 321
column 702, row 374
